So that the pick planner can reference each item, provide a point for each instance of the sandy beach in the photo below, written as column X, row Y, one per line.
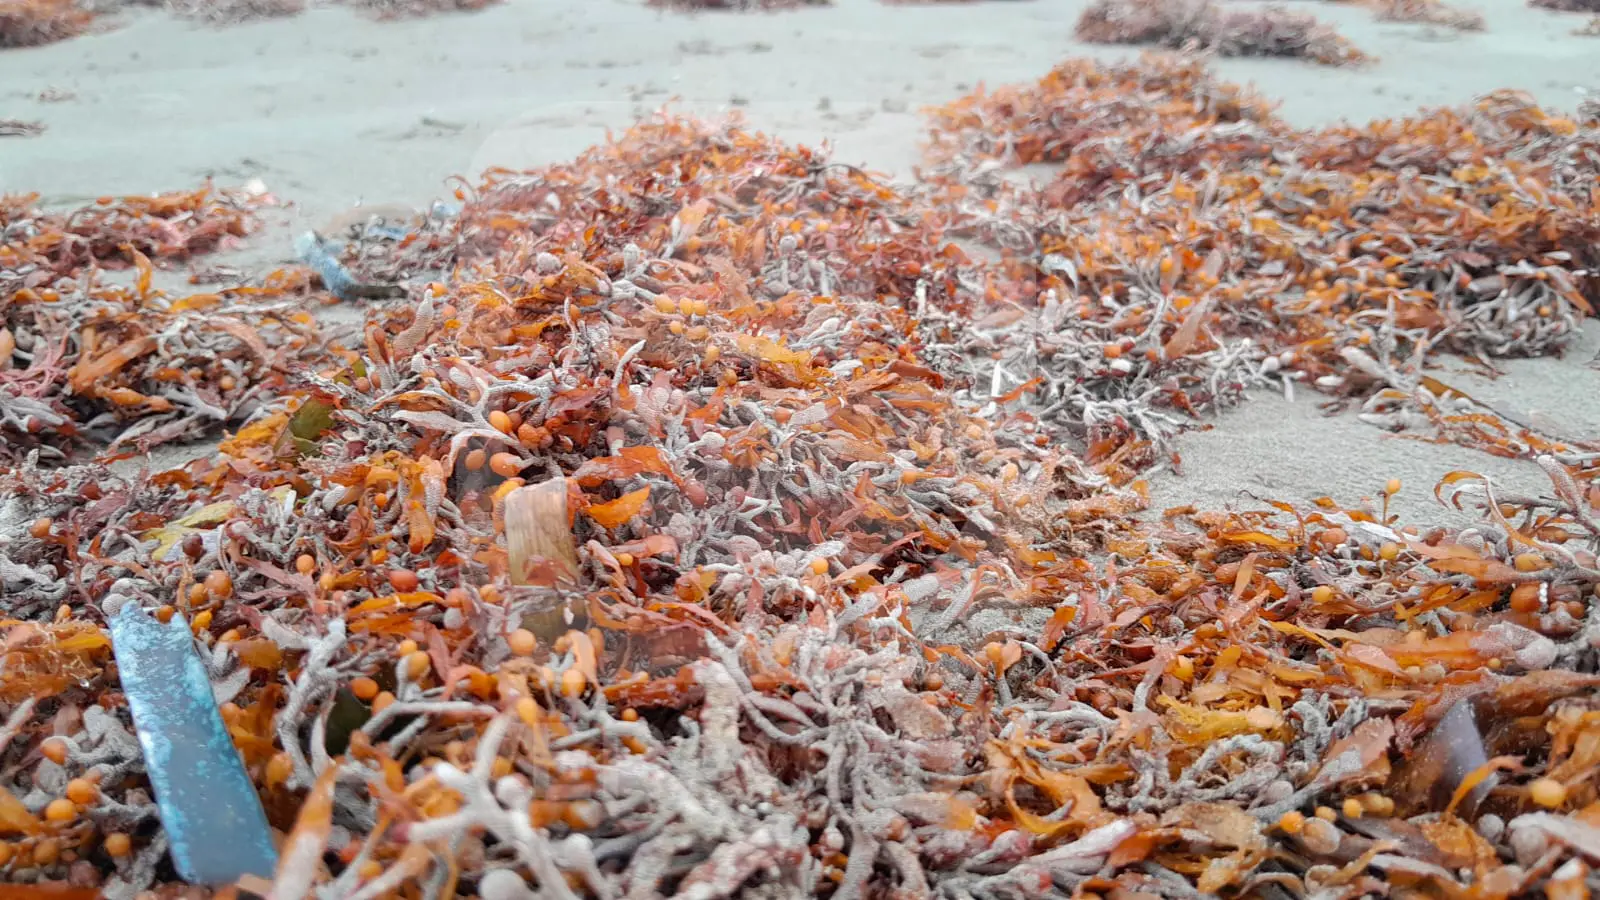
column 330, row 109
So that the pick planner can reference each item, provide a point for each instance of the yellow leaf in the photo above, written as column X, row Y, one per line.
column 420, row 527
column 259, row 653
column 793, row 363
column 89, row 372
column 389, row 601
column 210, row 514
column 584, row 658
column 83, row 640
column 1199, row 725
column 1057, row 626
column 1033, row 824
column 14, row 817
column 196, row 301
column 962, row 817
column 146, row 271
column 688, row 219
column 619, row 511
column 1259, row 538
column 170, row 534
column 261, row 433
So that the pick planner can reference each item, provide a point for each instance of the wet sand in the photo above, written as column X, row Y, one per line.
column 330, row 109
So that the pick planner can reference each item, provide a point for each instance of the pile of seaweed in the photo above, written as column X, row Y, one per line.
column 784, row 438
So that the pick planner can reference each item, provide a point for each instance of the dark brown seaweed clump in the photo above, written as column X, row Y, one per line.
column 1588, row 6
column 415, row 9
column 231, row 12
column 735, row 5
column 29, row 23
column 1209, row 26
column 1428, row 12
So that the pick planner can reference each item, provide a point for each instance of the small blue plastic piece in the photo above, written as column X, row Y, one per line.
column 315, row 253
column 215, row 825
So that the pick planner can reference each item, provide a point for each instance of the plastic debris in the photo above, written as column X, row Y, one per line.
column 210, row 811
column 323, row 257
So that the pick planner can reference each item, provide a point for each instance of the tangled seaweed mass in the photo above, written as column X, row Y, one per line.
column 1566, row 5
column 1208, row 26
column 800, row 436
column 27, row 23
column 125, row 365
column 735, row 5
column 1428, row 12
column 1272, row 31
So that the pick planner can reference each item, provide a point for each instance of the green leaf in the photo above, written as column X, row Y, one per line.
column 310, row 422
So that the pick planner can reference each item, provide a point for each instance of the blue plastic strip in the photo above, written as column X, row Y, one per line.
column 215, row 825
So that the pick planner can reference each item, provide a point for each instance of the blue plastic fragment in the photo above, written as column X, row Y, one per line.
column 212, row 815
column 314, row 252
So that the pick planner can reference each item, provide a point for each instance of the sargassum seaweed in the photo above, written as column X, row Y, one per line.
column 783, row 439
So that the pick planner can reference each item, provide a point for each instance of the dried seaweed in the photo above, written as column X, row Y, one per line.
column 29, row 23
column 1488, row 254
column 88, row 359
column 1587, row 6
column 230, row 12
column 636, row 551
column 1429, row 12
column 20, row 128
column 1206, row 25
column 735, row 5
column 412, row 9
column 25, row 23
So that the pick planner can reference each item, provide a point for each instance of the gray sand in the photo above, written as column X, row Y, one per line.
column 330, row 109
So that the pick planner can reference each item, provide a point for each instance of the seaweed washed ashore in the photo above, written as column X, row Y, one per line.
column 633, row 553
column 31, row 23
